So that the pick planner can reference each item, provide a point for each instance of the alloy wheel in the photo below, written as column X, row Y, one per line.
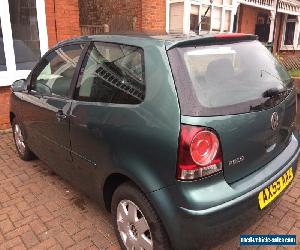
column 133, row 226
column 19, row 139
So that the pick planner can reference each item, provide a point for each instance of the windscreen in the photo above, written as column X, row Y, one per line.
column 227, row 78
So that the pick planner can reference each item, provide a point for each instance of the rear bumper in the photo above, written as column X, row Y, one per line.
column 200, row 213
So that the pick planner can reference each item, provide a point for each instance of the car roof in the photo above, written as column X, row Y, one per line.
column 168, row 40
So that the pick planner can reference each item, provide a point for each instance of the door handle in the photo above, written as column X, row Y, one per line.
column 60, row 115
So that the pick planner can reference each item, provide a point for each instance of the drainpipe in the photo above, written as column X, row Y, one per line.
column 272, row 27
column 279, row 34
column 55, row 24
column 275, row 22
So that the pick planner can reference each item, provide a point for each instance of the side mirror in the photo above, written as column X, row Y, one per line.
column 19, row 86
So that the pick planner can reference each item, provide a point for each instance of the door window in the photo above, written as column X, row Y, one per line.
column 113, row 73
column 54, row 75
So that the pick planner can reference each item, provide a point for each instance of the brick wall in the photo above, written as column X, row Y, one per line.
column 120, row 15
column 154, row 16
column 62, row 20
column 4, row 107
column 64, row 17
column 124, row 15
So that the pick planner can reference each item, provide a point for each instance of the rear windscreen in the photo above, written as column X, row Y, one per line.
column 226, row 78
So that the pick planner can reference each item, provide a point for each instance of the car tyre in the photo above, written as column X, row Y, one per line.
column 136, row 223
column 21, row 146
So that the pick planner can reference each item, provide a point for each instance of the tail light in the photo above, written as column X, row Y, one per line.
column 199, row 153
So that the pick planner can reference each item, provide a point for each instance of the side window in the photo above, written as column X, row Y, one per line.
column 56, row 71
column 112, row 73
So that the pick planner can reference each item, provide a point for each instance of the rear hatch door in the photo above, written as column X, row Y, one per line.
column 238, row 89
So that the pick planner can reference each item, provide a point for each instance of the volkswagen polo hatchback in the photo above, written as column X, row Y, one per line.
column 179, row 138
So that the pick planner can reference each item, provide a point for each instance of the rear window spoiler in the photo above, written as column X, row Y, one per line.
column 212, row 39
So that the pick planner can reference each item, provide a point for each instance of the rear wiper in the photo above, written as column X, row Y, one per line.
column 274, row 95
column 273, row 92
column 274, row 98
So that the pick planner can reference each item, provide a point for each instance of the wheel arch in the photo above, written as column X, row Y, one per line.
column 111, row 183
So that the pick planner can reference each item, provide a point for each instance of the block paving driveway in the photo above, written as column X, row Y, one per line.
column 39, row 210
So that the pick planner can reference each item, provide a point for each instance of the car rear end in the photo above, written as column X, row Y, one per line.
column 238, row 144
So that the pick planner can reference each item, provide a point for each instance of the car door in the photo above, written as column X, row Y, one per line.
column 46, row 107
column 109, row 88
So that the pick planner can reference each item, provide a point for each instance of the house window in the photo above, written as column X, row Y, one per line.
column 218, row 16
column 205, row 17
column 218, row 2
column 194, row 19
column 290, row 30
column 23, row 38
column 2, row 55
column 227, row 2
column 25, row 33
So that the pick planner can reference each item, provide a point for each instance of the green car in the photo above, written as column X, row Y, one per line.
column 180, row 138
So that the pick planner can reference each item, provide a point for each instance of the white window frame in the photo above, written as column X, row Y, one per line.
column 295, row 45
column 168, row 6
column 187, row 11
column 297, row 33
column 11, row 74
column 224, row 7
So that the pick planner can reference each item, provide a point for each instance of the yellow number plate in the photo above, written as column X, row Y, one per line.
column 271, row 192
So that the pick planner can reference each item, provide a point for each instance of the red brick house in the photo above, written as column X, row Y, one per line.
column 29, row 27
column 272, row 19
column 260, row 17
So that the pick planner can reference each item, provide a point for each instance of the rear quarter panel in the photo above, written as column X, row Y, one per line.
column 138, row 141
